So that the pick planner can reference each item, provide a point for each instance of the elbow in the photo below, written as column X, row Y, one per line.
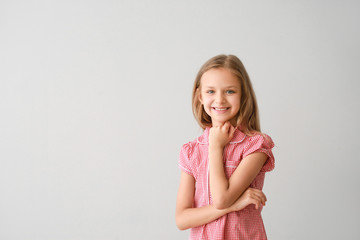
column 181, row 227
column 180, row 223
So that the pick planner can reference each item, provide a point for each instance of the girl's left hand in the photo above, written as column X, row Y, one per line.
column 250, row 196
column 221, row 135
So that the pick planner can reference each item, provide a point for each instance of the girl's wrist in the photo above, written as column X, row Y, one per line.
column 216, row 146
column 226, row 210
column 215, row 151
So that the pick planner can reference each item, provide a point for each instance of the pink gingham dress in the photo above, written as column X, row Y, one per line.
column 244, row 224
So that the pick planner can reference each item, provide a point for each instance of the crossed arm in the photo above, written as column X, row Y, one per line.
column 228, row 195
column 225, row 192
column 186, row 215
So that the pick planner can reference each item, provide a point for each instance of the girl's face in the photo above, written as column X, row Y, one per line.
column 220, row 95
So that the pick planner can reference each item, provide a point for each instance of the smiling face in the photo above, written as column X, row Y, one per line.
column 220, row 95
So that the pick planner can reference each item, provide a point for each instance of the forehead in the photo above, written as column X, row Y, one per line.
column 219, row 77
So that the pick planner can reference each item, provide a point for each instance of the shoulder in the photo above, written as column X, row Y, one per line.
column 258, row 139
column 188, row 148
column 260, row 142
column 199, row 141
column 189, row 157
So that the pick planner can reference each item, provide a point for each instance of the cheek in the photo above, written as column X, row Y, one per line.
column 236, row 102
column 206, row 105
column 202, row 99
column 207, row 102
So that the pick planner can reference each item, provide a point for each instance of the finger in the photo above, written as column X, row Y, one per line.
column 255, row 191
column 259, row 196
column 260, row 193
column 232, row 131
column 263, row 201
column 253, row 201
column 262, row 198
column 227, row 126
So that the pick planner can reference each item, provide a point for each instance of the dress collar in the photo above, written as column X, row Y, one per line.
column 237, row 138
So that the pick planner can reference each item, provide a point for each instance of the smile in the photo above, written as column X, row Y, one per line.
column 220, row 109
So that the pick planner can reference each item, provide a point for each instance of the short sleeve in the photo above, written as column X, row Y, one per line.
column 185, row 163
column 261, row 143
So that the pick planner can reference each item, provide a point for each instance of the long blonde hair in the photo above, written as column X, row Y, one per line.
column 248, row 117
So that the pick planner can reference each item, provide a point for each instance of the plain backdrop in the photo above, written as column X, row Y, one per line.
column 95, row 103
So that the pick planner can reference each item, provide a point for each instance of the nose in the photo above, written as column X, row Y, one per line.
column 220, row 98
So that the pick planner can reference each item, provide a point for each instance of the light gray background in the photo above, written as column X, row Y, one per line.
column 95, row 105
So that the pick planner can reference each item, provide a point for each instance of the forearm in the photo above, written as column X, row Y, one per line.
column 225, row 191
column 219, row 184
column 194, row 217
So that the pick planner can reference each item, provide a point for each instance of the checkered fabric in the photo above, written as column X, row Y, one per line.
column 244, row 224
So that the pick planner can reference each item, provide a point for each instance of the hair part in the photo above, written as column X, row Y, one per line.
column 248, row 115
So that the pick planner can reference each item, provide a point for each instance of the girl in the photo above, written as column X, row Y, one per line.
column 223, row 170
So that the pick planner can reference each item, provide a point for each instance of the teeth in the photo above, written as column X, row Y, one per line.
column 220, row 109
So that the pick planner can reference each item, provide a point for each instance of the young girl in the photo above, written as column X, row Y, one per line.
column 223, row 170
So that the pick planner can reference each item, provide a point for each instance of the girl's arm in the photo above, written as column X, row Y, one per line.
column 225, row 192
column 186, row 215
column 189, row 217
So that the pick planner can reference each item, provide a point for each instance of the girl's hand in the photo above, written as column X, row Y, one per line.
column 250, row 196
column 220, row 135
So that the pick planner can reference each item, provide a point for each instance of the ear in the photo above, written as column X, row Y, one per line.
column 198, row 93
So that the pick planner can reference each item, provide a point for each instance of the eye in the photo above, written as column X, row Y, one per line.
column 230, row 91
column 210, row 91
